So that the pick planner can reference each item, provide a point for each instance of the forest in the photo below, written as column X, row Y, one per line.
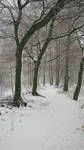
column 41, row 74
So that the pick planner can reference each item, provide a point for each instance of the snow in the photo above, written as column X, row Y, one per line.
column 55, row 122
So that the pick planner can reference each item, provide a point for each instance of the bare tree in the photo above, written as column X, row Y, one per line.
column 16, row 16
column 80, row 73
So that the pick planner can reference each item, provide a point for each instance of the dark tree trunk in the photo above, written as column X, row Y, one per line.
column 66, row 84
column 51, row 69
column 36, row 68
column 66, row 76
column 35, row 78
column 44, row 79
column 37, row 63
column 17, row 97
column 57, row 63
column 44, row 69
column 78, row 87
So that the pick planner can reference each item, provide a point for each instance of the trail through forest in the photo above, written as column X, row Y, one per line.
column 55, row 122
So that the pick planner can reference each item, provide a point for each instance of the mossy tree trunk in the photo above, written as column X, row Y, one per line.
column 78, row 87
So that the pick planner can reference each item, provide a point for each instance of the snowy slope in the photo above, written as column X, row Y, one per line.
column 52, row 123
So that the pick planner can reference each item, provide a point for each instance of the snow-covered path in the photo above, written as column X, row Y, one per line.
column 52, row 123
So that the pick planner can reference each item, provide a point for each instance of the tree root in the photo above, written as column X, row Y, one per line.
column 37, row 94
column 20, row 103
column 12, row 102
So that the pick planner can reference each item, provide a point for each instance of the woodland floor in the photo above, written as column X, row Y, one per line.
column 55, row 122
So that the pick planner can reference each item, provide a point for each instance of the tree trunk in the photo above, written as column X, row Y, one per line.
column 44, row 69
column 37, row 63
column 36, row 68
column 78, row 87
column 66, row 83
column 11, row 73
column 34, row 89
column 44, row 79
column 31, row 75
column 51, row 69
column 17, row 97
column 57, row 63
column 66, row 76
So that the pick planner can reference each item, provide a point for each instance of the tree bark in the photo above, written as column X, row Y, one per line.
column 36, row 68
column 44, row 77
column 17, row 96
column 78, row 87
column 11, row 73
column 51, row 69
column 66, row 76
column 44, row 69
column 57, row 63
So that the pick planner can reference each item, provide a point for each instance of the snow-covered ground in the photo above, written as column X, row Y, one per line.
column 55, row 122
